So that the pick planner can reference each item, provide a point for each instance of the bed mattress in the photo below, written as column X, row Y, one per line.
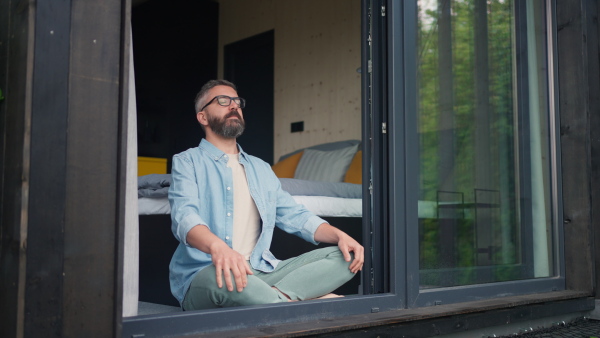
column 319, row 205
column 323, row 206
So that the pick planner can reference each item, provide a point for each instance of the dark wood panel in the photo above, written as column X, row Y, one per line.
column 593, row 39
column 45, row 232
column 575, row 136
column 92, row 165
column 15, row 53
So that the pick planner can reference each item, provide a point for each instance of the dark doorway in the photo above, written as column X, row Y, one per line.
column 175, row 52
column 249, row 64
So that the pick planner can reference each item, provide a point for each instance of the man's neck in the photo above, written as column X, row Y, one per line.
column 226, row 145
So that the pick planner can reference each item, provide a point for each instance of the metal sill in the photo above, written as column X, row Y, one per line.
column 435, row 320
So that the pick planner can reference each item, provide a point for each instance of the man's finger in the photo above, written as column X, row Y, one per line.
column 219, row 277
column 354, row 264
column 244, row 272
column 248, row 270
column 228, row 281
column 345, row 252
column 238, row 277
column 358, row 260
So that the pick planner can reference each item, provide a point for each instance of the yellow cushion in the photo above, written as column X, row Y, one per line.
column 151, row 165
column 354, row 172
column 286, row 168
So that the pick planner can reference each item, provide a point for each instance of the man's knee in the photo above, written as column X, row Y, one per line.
column 334, row 252
column 205, row 294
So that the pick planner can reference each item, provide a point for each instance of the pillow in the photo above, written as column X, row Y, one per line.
column 287, row 167
column 325, row 166
column 354, row 172
column 331, row 146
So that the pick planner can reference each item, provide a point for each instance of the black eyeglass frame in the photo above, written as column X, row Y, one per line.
column 238, row 100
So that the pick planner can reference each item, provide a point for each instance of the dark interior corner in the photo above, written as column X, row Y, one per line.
column 175, row 52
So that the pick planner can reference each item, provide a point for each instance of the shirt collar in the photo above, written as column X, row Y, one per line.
column 216, row 154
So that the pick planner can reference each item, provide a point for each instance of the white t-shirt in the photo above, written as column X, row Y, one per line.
column 246, row 219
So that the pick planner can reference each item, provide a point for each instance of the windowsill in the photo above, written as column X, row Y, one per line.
column 374, row 320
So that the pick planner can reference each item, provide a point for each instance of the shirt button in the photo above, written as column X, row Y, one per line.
column 228, row 214
column 228, row 188
column 226, row 237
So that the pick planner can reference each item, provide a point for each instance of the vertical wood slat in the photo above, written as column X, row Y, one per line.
column 16, row 51
column 44, row 281
column 593, row 55
column 91, row 283
column 575, row 143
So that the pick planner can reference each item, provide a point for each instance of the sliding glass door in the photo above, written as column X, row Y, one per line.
column 483, row 139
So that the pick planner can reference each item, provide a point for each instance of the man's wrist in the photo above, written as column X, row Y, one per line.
column 216, row 246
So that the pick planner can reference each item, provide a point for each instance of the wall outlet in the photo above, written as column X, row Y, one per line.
column 297, row 126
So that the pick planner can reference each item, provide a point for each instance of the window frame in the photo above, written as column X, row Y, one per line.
column 374, row 278
column 388, row 38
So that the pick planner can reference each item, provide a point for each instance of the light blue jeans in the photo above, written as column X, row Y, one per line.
column 310, row 275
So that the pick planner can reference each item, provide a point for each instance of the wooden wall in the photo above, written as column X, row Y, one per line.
column 64, row 76
column 317, row 53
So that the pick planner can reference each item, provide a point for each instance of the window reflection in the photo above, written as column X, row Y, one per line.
column 484, row 200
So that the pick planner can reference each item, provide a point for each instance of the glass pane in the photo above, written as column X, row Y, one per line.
column 483, row 125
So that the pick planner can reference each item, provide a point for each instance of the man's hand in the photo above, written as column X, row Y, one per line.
column 329, row 234
column 347, row 244
column 226, row 260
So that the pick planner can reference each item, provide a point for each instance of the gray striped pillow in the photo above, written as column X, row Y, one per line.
column 325, row 166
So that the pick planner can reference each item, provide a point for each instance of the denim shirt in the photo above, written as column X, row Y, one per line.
column 201, row 193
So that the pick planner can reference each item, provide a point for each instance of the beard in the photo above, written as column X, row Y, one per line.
column 225, row 127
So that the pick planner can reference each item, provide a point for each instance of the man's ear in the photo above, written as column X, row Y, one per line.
column 201, row 117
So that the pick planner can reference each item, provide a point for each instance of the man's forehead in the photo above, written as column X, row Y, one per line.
column 222, row 90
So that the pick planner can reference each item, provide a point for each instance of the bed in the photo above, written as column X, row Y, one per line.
column 326, row 178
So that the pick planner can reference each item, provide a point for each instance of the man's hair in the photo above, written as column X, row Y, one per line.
column 202, row 99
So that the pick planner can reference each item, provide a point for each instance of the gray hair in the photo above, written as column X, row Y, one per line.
column 201, row 98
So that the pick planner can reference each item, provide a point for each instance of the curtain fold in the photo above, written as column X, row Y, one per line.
column 131, row 233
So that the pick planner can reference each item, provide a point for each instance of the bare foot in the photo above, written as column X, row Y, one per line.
column 329, row 295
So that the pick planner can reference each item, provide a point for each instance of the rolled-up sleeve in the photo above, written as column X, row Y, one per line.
column 294, row 218
column 184, row 200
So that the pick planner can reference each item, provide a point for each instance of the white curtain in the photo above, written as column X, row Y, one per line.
column 131, row 250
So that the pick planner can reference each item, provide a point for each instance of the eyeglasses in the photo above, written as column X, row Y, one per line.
column 225, row 101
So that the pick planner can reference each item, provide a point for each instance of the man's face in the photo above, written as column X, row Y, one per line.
column 228, row 121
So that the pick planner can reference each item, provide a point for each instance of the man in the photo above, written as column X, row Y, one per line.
column 224, row 207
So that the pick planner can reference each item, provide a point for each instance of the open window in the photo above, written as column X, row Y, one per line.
column 298, row 65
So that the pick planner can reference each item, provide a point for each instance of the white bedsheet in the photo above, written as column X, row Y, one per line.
column 322, row 206
column 319, row 205
column 331, row 206
column 153, row 206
